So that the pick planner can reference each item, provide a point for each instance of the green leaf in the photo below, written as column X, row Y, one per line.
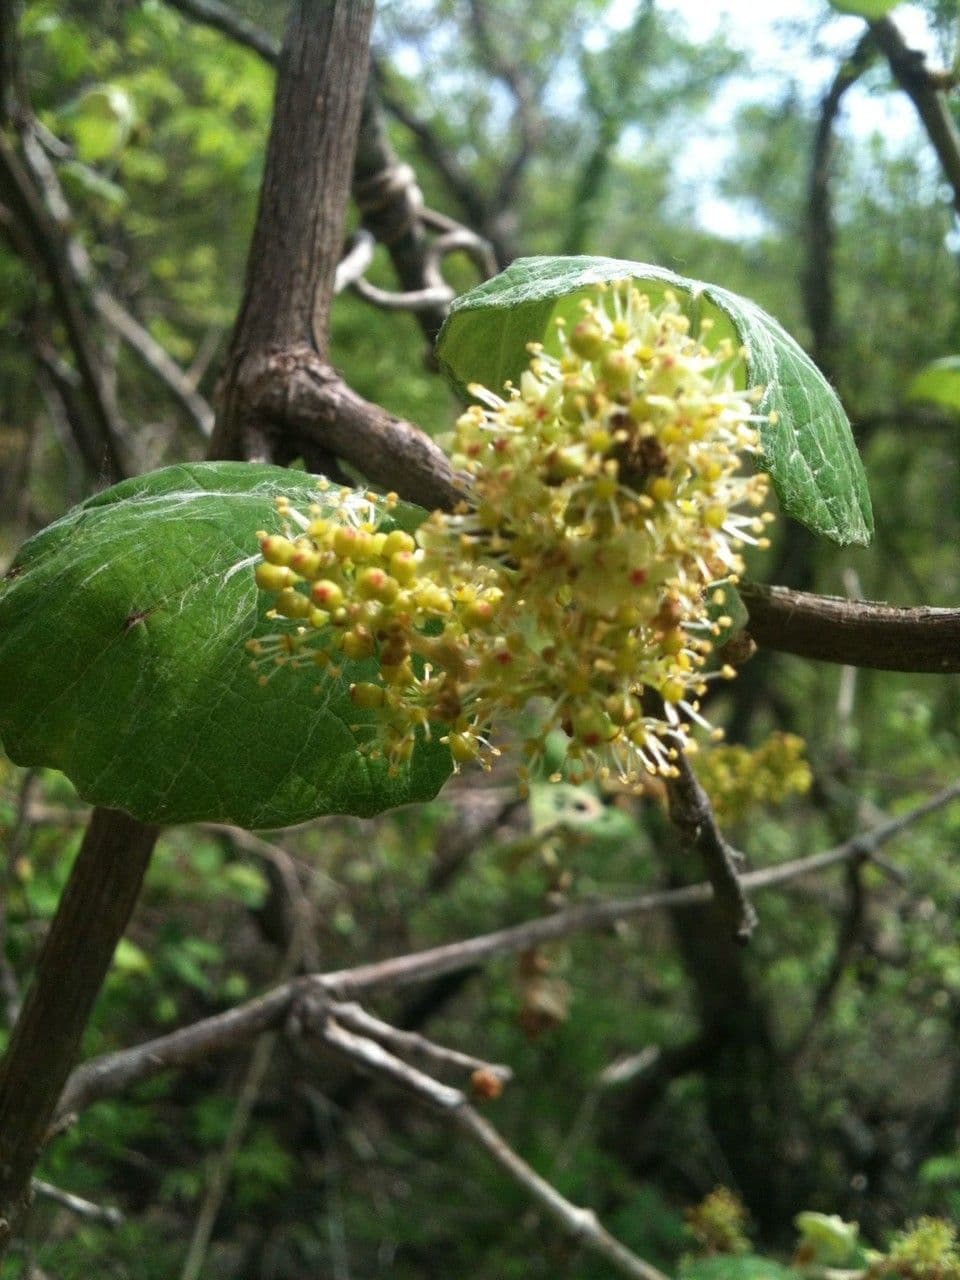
column 122, row 662
column 101, row 122
column 938, row 383
column 828, row 1240
column 728, row 1266
column 809, row 451
column 870, row 9
column 725, row 602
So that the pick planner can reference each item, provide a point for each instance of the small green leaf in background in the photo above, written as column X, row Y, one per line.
column 809, row 449
column 122, row 662
column 729, row 1266
column 827, row 1240
column 872, row 10
column 938, row 383
column 101, row 122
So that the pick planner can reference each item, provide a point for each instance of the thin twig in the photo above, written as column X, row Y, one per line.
column 114, row 1072
column 932, row 107
column 222, row 18
column 107, row 1214
column 355, row 261
column 45, row 239
column 818, row 276
column 372, row 1056
column 848, row 942
column 581, row 1224
column 219, row 1174
column 81, row 270
column 413, row 1045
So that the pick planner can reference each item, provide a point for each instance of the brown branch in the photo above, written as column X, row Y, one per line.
column 43, row 235
column 92, row 914
column 932, row 107
column 294, row 393
column 858, row 633
column 693, row 816
column 297, row 239
column 526, row 115
column 385, row 190
column 468, row 194
column 298, row 236
column 222, row 18
column 112, row 1073
column 818, row 276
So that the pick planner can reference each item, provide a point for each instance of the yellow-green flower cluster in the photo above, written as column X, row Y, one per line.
column 719, row 1223
column 738, row 779
column 604, row 501
column 927, row 1250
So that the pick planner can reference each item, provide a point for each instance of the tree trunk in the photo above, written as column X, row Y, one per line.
column 289, row 288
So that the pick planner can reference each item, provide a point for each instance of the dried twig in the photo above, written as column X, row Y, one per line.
column 413, row 1045
column 106, row 1214
column 581, row 1224
column 112, row 1073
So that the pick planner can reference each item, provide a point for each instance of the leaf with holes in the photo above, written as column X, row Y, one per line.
column 808, row 446
column 122, row 662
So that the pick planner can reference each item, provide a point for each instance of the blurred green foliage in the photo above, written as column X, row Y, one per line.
column 163, row 125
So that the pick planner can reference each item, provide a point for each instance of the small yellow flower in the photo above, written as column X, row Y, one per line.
column 606, row 498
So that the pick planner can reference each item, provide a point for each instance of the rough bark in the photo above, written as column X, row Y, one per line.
column 300, row 222
column 90, row 919
column 295, row 249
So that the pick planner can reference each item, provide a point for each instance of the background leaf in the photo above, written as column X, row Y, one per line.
column 870, row 9
column 809, row 450
column 938, row 383
column 726, row 1266
column 122, row 662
